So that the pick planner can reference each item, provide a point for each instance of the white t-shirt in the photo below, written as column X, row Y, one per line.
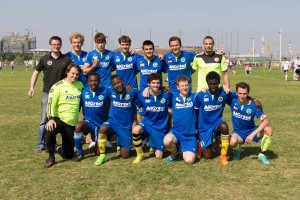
column 285, row 65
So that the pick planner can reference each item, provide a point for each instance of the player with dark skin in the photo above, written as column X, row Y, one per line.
column 213, row 86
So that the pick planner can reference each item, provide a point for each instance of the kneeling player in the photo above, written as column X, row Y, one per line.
column 183, row 133
column 120, row 118
column 243, row 112
column 154, row 123
column 93, row 106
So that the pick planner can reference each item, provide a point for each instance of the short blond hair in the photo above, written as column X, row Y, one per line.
column 76, row 35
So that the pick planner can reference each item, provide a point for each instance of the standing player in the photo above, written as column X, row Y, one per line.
column 100, row 60
column 243, row 113
column 148, row 64
column 183, row 132
column 120, row 120
column 211, row 104
column 124, row 62
column 54, row 67
column 209, row 61
column 12, row 66
column 26, row 65
column 178, row 63
column 62, row 112
column 93, row 100
column 154, row 123
column 77, row 55
column 285, row 67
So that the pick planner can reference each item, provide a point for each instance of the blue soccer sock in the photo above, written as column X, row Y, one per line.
column 78, row 137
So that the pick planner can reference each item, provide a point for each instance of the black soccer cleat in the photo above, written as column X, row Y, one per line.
column 78, row 158
column 49, row 162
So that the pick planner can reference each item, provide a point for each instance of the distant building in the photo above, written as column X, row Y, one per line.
column 17, row 44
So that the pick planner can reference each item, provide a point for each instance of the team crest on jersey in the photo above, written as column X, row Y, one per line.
column 87, row 95
column 95, row 57
column 177, row 99
column 163, row 100
column 107, row 57
column 84, row 59
column 235, row 107
column 51, row 90
column 147, row 101
column 100, row 97
column 142, row 64
column 182, row 59
column 49, row 62
column 117, row 59
column 220, row 99
column 206, row 99
column 113, row 96
column 169, row 60
column 216, row 59
column 127, row 97
column 155, row 64
column 129, row 59
column 248, row 111
column 188, row 99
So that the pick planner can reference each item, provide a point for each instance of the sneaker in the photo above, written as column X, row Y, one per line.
column 264, row 159
column 223, row 160
column 138, row 158
column 100, row 160
column 108, row 144
column 60, row 151
column 49, row 162
column 118, row 148
column 151, row 150
column 78, row 158
column 92, row 144
column 237, row 154
column 40, row 148
column 171, row 157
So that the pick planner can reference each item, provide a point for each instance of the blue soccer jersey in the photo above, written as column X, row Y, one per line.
column 155, row 110
column 211, row 107
column 122, row 106
column 184, row 120
column 105, row 66
column 125, row 67
column 178, row 67
column 146, row 67
column 243, row 115
column 93, row 105
column 79, row 60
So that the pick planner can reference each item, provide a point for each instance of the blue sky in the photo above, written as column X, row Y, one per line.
column 192, row 19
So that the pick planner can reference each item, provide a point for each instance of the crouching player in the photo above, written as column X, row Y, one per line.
column 210, row 106
column 120, row 118
column 243, row 112
column 93, row 105
column 154, row 123
column 183, row 133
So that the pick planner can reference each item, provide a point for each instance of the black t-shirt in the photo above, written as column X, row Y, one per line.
column 53, row 69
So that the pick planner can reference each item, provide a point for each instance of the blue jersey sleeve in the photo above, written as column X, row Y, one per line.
column 197, row 102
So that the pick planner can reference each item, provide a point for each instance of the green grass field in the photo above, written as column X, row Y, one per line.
column 22, row 175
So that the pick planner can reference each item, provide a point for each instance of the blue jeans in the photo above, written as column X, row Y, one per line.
column 44, row 120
